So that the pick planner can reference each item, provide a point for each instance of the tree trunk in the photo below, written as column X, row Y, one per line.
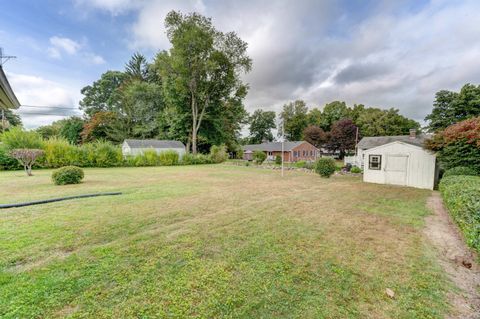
column 28, row 169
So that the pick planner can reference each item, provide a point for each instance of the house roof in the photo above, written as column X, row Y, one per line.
column 374, row 141
column 273, row 146
column 7, row 97
column 154, row 144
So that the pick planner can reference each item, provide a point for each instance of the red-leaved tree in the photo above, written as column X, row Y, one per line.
column 315, row 136
column 342, row 136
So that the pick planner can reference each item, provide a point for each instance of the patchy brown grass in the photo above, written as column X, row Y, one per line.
column 216, row 241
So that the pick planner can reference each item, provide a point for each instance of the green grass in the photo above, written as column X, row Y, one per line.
column 215, row 242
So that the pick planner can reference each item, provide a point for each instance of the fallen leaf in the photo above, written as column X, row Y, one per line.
column 390, row 293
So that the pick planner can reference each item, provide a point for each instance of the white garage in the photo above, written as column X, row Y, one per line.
column 400, row 163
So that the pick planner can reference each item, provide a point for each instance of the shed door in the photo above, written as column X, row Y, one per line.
column 396, row 169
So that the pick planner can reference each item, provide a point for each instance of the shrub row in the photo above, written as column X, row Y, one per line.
column 59, row 152
column 461, row 195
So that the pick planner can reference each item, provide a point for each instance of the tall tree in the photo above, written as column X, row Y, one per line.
column 315, row 136
column 333, row 112
column 342, row 136
column 104, row 94
column 314, row 117
column 261, row 125
column 70, row 129
column 294, row 117
column 203, row 66
column 452, row 107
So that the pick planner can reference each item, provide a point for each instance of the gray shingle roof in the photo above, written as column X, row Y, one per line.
column 154, row 144
column 374, row 141
column 7, row 97
column 272, row 146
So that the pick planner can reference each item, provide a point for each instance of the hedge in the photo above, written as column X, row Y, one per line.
column 461, row 195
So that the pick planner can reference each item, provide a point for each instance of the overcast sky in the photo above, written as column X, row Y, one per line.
column 378, row 53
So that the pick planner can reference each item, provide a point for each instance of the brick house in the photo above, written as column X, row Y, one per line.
column 293, row 151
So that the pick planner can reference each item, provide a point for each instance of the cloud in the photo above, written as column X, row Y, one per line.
column 60, row 46
column 385, row 54
column 56, row 98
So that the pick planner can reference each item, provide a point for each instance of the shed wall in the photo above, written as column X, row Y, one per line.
column 420, row 166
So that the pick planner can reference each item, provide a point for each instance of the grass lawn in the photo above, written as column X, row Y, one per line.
column 216, row 242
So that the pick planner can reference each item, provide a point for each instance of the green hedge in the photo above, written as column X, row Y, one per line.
column 461, row 195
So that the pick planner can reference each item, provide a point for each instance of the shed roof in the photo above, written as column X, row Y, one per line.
column 154, row 143
column 273, row 146
column 7, row 97
column 374, row 141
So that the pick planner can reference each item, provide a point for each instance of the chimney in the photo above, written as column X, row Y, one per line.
column 413, row 133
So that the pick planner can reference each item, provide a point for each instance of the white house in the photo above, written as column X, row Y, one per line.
column 134, row 147
column 400, row 163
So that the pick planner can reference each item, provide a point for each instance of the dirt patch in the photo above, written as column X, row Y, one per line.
column 459, row 262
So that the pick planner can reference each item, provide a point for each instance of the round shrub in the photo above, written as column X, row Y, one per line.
column 355, row 170
column 325, row 167
column 278, row 160
column 460, row 170
column 67, row 175
column 218, row 153
column 259, row 157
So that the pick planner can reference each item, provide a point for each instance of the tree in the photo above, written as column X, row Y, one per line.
column 333, row 112
column 11, row 120
column 71, row 128
column 458, row 145
column 203, row 67
column 451, row 107
column 98, row 127
column 261, row 125
column 294, row 117
column 26, row 157
column 104, row 94
column 315, row 136
column 342, row 136
column 378, row 122
column 314, row 117
column 137, row 67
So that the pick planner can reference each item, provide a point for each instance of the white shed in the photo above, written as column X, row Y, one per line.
column 400, row 163
column 133, row 147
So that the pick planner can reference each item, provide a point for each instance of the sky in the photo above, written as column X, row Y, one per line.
column 377, row 53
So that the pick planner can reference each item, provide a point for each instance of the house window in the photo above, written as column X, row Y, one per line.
column 375, row 162
column 270, row 153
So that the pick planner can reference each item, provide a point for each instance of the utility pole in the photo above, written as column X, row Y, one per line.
column 3, row 120
column 5, row 58
column 283, row 144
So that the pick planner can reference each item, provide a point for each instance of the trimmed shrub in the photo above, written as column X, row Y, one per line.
column 460, row 170
column 168, row 158
column 355, row 170
column 325, row 167
column 461, row 197
column 259, row 157
column 218, row 153
column 300, row 164
column 278, row 160
column 67, row 175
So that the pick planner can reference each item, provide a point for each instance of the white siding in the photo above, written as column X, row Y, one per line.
column 419, row 166
column 128, row 151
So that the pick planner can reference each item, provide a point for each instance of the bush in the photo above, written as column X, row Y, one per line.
column 325, row 167
column 67, row 175
column 59, row 152
column 259, row 157
column 151, row 158
column 278, row 160
column 460, row 170
column 300, row 164
column 218, row 153
column 191, row 159
column 461, row 196
column 7, row 162
column 168, row 158
column 355, row 170
column 107, row 154
column 16, row 138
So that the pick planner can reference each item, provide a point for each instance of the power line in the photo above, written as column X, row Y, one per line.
column 46, row 114
column 51, row 107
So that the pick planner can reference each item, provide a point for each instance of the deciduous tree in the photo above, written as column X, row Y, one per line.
column 294, row 117
column 342, row 136
column 26, row 157
column 261, row 125
column 315, row 136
